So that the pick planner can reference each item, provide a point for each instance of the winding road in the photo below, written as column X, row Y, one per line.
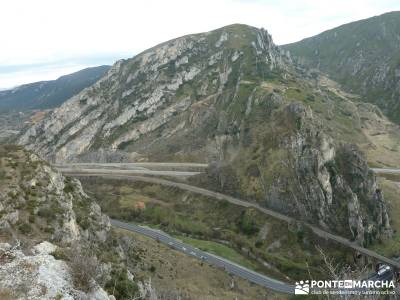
column 217, row 261
column 316, row 230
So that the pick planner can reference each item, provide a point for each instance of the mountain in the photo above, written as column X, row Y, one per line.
column 273, row 132
column 363, row 56
column 49, row 94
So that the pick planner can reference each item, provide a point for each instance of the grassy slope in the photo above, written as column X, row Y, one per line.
column 289, row 250
column 220, row 250
column 353, row 54
column 174, row 271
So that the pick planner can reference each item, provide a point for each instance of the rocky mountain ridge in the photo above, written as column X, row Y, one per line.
column 275, row 133
column 140, row 95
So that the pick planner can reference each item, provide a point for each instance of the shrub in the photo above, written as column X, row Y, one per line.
column 68, row 188
column 258, row 244
column 46, row 212
column 25, row 228
column 59, row 254
column 84, row 268
column 120, row 286
column 31, row 219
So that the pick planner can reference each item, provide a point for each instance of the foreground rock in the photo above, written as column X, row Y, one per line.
column 54, row 240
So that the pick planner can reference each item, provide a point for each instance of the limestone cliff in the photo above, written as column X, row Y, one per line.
column 54, row 240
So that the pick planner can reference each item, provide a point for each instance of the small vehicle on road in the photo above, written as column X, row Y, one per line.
column 383, row 269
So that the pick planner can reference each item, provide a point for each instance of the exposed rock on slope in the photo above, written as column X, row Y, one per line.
column 229, row 96
column 362, row 55
column 56, row 244
column 39, row 275
column 158, row 92
column 53, row 237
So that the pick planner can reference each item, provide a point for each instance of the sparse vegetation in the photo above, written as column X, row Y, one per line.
column 201, row 219
column 120, row 286
column 84, row 267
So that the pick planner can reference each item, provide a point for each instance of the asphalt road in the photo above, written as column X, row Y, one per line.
column 316, row 230
column 217, row 261
column 222, row 263
column 160, row 166
column 385, row 171
column 130, row 171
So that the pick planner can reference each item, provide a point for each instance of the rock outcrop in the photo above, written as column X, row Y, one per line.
column 145, row 94
column 54, row 240
column 39, row 275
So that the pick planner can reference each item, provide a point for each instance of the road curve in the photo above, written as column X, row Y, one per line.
column 321, row 233
column 217, row 261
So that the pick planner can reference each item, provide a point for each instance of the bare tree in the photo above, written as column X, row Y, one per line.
column 339, row 271
column 84, row 268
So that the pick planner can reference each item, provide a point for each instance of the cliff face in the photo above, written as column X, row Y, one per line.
column 53, row 237
column 329, row 182
column 230, row 96
column 165, row 86
column 293, row 166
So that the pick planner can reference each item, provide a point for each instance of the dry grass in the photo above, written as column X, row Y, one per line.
column 6, row 294
column 174, row 271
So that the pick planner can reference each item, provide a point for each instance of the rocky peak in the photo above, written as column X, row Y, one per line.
column 141, row 94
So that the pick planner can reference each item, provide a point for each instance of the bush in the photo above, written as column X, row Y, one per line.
column 47, row 213
column 84, row 268
column 31, row 219
column 25, row 228
column 59, row 254
column 120, row 286
column 258, row 244
column 68, row 188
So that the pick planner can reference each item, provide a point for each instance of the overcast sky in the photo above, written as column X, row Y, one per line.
column 43, row 39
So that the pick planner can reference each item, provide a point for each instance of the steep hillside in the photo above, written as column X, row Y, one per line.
column 54, row 240
column 276, row 133
column 55, row 243
column 49, row 94
column 363, row 56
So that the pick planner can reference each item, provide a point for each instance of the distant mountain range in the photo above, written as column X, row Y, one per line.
column 49, row 94
column 363, row 56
